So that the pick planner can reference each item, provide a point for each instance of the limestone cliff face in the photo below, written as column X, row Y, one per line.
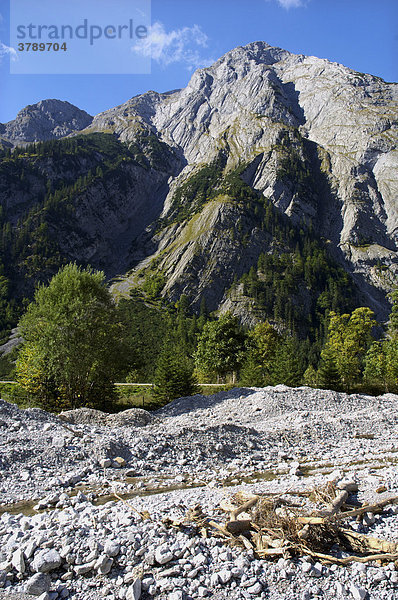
column 316, row 138
column 319, row 140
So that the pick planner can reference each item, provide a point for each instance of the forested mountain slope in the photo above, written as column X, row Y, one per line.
column 268, row 186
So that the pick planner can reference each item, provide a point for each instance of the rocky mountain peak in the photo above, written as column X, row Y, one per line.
column 259, row 52
column 46, row 120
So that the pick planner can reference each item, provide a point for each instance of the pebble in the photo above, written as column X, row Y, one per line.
column 255, row 589
column 134, row 591
column 112, row 548
column 163, row 555
column 358, row 593
column 46, row 561
column 225, row 576
column 18, row 561
column 38, row 584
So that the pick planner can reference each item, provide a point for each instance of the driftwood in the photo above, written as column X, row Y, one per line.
column 244, row 508
column 311, row 520
column 245, row 542
column 373, row 508
column 273, row 533
column 366, row 542
column 336, row 504
column 75, row 433
column 328, row 558
column 220, row 528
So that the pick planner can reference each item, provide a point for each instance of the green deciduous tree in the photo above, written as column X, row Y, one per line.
column 381, row 361
column 220, row 347
column 262, row 342
column 73, row 346
column 348, row 340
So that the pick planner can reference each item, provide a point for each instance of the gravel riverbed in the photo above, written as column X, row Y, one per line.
column 64, row 534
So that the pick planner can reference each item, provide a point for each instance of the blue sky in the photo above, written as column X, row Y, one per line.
column 186, row 34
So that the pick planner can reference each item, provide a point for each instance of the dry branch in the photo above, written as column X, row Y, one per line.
column 273, row 532
column 328, row 558
column 244, row 507
column 374, row 508
column 144, row 515
column 337, row 503
column 365, row 542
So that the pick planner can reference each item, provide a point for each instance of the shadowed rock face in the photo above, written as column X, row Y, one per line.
column 46, row 120
column 318, row 139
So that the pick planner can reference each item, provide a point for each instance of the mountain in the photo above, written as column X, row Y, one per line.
column 268, row 186
column 46, row 120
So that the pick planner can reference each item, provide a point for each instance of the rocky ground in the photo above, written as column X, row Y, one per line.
column 65, row 534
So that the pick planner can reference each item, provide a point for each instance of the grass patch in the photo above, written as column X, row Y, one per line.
column 141, row 396
column 134, row 396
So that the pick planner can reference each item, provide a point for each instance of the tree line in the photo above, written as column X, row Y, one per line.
column 78, row 342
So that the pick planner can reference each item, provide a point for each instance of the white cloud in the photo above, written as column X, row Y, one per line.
column 7, row 51
column 291, row 3
column 177, row 46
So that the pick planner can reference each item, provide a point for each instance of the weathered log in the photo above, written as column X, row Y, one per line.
column 227, row 505
column 247, row 544
column 335, row 505
column 267, row 552
column 311, row 520
column 220, row 529
column 75, row 433
column 304, row 532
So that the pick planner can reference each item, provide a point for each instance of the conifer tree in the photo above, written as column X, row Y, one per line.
column 251, row 373
column 375, row 372
column 311, row 377
column 262, row 342
column 328, row 373
column 287, row 367
column 174, row 376
column 393, row 324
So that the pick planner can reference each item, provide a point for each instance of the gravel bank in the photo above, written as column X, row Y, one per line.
column 63, row 534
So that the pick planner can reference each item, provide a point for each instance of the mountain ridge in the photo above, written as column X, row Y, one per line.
column 312, row 139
